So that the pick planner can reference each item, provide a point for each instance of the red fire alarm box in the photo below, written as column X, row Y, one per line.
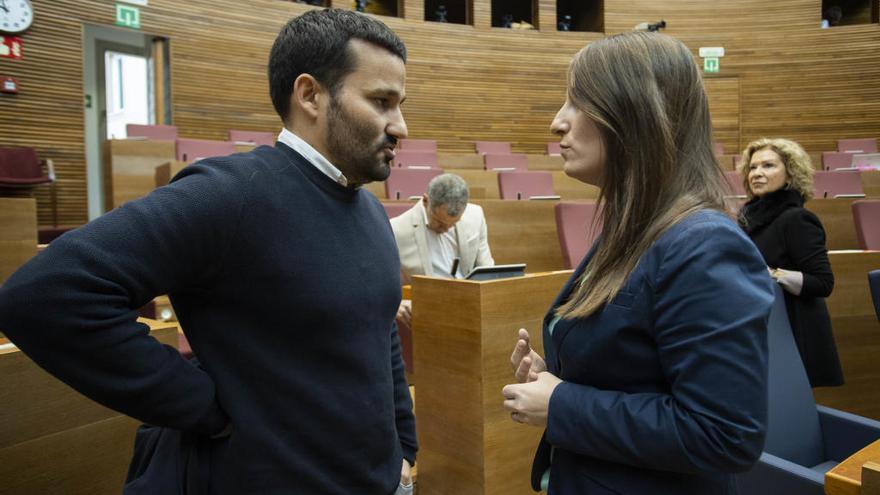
column 8, row 85
column 11, row 47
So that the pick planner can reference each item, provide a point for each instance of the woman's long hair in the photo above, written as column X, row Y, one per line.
column 645, row 93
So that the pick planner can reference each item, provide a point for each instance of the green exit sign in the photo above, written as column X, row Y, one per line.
column 128, row 16
column 711, row 64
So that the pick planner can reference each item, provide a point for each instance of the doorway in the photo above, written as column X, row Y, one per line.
column 125, row 82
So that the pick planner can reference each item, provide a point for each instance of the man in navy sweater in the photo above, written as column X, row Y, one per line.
column 283, row 274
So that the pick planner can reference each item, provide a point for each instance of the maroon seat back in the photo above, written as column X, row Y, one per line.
column 828, row 184
column 577, row 227
column 405, row 183
column 484, row 147
column 866, row 216
column 20, row 166
column 866, row 145
column 256, row 137
column 396, row 209
column 832, row 160
column 419, row 145
column 168, row 132
column 524, row 185
column 505, row 161
column 735, row 182
column 190, row 150
column 718, row 148
column 415, row 158
column 554, row 149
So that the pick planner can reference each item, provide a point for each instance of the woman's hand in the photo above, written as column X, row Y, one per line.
column 528, row 403
column 525, row 361
column 790, row 280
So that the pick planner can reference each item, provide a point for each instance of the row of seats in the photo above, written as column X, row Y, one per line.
column 852, row 153
column 169, row 133
column 826, row 184
column 190, row 150
column 574, row 218
column 406, row 183
column 491, row 161
column 481, row 147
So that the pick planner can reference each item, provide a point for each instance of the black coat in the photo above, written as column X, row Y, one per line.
column 792, row 238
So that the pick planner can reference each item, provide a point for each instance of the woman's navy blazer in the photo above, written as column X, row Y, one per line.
column 665, row 386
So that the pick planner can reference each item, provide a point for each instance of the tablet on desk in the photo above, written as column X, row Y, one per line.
column 497, row 271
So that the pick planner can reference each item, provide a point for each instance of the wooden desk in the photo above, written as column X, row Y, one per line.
column 523, row 232
column 568, row 188
column 468, row 443
column 130, row 167
column 846, row 477
column 857, row 334
column 54, row 440
column 469, row 161
column 871, row 183
column 545, row 162
column 18, row 234
column 837, row 219
column 486, row 180
column 166, row 171
column 377, row 188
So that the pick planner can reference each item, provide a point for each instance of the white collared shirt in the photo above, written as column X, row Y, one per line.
column 442, row 248
column 313, row 156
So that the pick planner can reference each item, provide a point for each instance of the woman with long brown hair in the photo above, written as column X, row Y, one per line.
column 654, row 375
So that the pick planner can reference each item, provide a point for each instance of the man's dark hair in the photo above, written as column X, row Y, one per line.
column 316, row 43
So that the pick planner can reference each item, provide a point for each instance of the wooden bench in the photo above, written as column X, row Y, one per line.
column 18, row 234
column 55, row 440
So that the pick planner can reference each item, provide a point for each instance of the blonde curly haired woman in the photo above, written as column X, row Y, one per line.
column 778, row 179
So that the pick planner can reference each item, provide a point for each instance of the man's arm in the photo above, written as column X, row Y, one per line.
column 73, row 307
column 484, row 255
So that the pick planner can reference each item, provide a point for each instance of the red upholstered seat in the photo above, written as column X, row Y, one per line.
column 867, row 145
column 484, row 147
column 21, row 167
column 183, row 346
column 405, row 183
column 577, row 226
column 419, row 145
column 834, row 183
column 718, row 148
column 734, row 180
column 832, row 160
column 525, row 185
column 258, row 138
column 396, row 209
column 168, row 132
column 866, row 216
column 505, row 161
column 415, row 158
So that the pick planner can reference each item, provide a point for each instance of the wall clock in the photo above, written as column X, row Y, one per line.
column 15, row 15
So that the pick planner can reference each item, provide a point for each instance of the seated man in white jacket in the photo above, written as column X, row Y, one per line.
column 439, row 229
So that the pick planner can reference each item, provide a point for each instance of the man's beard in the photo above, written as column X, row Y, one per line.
column 355, row 147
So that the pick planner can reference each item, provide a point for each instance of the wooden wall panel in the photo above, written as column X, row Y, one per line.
column 464, row 82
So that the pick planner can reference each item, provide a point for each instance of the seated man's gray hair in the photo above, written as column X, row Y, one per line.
column 448, row 190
